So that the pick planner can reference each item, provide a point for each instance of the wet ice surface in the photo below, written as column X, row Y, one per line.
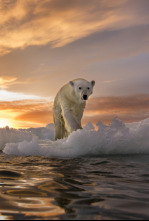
column 107, row 187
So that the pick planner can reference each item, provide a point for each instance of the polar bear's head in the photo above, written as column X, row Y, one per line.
column 82, row 88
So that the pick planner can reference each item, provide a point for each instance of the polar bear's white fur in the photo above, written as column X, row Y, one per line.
column 69, row 106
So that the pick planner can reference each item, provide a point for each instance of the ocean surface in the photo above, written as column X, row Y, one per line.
column 113, row 187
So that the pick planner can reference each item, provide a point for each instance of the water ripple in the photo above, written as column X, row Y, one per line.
column 82, row 188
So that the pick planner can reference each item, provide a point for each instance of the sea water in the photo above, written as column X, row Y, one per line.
column 107, row 187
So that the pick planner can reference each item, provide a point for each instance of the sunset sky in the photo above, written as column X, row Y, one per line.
column 45, row 44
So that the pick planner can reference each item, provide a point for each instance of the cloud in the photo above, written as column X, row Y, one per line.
column 39, row 116
column 24, row 105
column 60, row 22
column 12, row 96
column 27, row 113
column 119, row 104
column 6, row 81
column 127, row 108
column 116, row 55
column 39, row 112
column 36, row 113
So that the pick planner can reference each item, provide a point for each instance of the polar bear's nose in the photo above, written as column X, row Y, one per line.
column 85, row 97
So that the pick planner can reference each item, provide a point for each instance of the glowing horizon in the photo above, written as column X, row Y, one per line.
column 5, row 122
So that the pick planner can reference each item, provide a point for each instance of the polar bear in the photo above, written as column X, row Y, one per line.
column 69, row 105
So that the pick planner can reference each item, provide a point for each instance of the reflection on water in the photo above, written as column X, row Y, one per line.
column 86, row 188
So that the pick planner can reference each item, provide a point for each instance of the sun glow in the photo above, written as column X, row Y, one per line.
column 4, row 123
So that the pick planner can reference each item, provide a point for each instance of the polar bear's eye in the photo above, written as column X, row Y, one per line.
column 80, row 88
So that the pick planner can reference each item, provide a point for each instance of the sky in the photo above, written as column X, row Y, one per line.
column 45, row 44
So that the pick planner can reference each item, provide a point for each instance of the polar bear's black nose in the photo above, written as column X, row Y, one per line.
column 85, row 97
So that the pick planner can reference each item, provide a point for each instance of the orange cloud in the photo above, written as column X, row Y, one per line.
column 6, row 81
column 27, row 113
column 127, row 108
column 34, row 22
column 33, row 113
column 40, row 116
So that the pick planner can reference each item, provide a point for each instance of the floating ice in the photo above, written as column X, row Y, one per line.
column 10, row 135
column 89, row 126
column 43, row 132
column 116, row 138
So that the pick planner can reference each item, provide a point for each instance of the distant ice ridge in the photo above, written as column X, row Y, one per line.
column 42, row 133
column 117, row 138
column 10, row 135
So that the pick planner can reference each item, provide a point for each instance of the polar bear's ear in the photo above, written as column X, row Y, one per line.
column 93, row 83
column 71, row 83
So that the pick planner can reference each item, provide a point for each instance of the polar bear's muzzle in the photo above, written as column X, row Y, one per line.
column 85, row 97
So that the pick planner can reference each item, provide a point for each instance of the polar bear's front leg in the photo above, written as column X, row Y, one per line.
column 71, row 123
